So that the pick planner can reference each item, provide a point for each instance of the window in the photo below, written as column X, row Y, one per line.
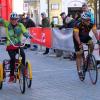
column 55, row 6
column 55, row 20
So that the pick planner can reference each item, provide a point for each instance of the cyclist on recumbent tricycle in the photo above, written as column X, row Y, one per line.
column 14, row 32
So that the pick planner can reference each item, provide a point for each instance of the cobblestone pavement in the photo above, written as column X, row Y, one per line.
column 53, row 79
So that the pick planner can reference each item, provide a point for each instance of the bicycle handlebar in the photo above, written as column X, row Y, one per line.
column 90, row 43
column 21, row 45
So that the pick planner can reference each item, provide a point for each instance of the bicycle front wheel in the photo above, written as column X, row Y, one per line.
column 21, row 79
column 92, row 68
column 29, row 74
column 82, row 77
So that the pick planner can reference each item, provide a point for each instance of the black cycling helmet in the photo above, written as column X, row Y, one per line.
column 62, row 13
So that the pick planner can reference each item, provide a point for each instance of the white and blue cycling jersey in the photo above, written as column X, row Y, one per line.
column 91, row 15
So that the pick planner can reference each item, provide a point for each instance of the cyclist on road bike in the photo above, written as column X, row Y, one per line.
column 14, row 31
column 81, row 35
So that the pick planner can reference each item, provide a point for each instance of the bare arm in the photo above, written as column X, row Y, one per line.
column 76, row 35
column 94, row 30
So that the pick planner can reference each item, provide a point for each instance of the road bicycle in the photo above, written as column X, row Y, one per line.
column 98, row 61
column 21, row 73
column 89, row 64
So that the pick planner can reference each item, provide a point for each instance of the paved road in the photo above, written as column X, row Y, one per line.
column 53, row 79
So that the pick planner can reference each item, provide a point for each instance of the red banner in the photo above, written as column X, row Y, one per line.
column 41, row 36
column 5, row 8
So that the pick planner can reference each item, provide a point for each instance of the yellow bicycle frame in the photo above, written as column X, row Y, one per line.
column 1, row 72
column 30, row 69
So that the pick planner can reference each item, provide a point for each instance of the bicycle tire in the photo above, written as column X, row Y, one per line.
column 29, row 74
column 83, row 72
column 4, row 72
column 92, row 69
column 83, row 68
column 22, row 79
column 1, row 85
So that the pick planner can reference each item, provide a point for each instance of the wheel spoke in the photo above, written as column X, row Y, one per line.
column 22, row 79
column 92, row 68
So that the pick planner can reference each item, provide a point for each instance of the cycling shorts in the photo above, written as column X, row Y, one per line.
column 83, row 40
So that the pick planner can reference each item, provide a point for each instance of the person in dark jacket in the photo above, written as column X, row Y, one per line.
column 68, row 22
column 45, row 23
column 63, row 16
column 77, row 18
column 28, row 22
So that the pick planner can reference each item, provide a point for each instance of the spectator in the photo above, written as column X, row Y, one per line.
column 20, row 18
column 77, row 18
column 63, row 16
column 45, row 23
column 68, row 21
column 24, row 21
column 52, row 24
column 28, row 16
column 28, row 22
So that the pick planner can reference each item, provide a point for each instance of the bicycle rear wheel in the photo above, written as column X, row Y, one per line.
column 21, row 79
column 29, row 74
column 92, row 69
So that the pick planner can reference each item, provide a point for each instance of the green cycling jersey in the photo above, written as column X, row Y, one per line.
column 14, row 33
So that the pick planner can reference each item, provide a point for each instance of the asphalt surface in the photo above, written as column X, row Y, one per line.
column 53, row 79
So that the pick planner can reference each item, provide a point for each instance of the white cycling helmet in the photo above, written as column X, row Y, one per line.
column 85, row 16
column 14, row 15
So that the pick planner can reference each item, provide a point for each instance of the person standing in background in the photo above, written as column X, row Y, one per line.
column 77, row 18
column 28, row 22
column 45, row 23
column 68, row 22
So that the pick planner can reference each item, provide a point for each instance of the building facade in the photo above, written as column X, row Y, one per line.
column 17, row 6
column 55, row 8
column 52, row 8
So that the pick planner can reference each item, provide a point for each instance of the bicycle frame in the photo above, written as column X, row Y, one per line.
column 19, row 56
column 19, row 62
column 88, row 49
column 19, row 71
column 84, row 57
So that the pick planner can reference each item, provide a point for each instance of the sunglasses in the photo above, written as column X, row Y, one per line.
column 86, row 20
